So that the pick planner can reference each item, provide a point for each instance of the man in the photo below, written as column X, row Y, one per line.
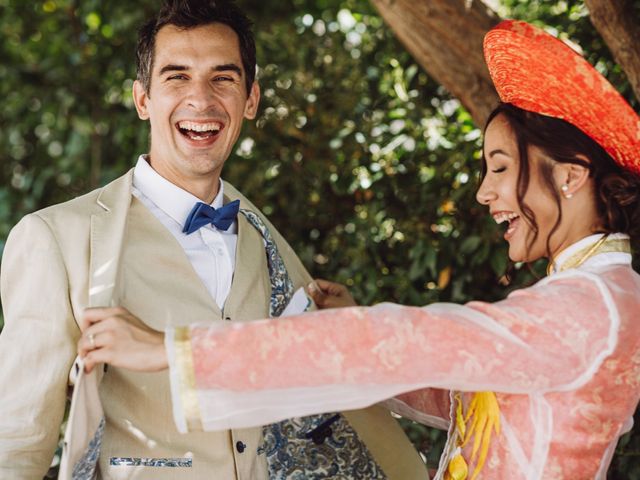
column 140, row 244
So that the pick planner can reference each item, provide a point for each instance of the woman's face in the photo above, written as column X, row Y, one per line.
column 499, row 192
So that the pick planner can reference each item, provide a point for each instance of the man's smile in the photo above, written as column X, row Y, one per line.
column 204, row 133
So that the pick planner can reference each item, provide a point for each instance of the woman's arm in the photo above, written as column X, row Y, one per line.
column 551, row 336
column 548, row 337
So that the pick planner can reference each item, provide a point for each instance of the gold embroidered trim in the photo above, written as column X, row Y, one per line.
column 603, row 245
column 188, row 394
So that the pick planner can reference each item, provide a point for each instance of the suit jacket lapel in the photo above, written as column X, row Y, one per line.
column 124, row 218
column 85, row 424
column 107, row 233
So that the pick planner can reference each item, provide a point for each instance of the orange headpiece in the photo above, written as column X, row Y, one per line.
column 537, row 72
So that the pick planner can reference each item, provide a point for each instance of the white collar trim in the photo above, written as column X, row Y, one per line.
column 599, row 258
column 171, row 199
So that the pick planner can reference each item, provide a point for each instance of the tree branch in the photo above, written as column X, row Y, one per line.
column 445, row 38
column 619, row 26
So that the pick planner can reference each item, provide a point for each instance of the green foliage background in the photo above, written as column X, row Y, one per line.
column 363, row 162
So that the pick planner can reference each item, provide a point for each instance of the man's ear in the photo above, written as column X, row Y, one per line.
column 251, row 107
column 574, row 176
column 140, row 99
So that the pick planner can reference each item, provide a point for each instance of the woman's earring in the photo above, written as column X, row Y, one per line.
column 565, row 189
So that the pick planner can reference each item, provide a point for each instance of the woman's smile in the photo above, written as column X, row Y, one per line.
column 511, row 218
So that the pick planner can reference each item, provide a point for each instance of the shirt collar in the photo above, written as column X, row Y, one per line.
column 614, row 249
column 171, row 199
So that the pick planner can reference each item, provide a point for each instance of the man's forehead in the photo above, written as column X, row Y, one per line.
column 215, row 42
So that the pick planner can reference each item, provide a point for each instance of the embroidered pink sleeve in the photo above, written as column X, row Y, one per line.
column 519, row 345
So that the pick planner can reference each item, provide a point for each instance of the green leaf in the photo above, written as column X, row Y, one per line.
column 470, row 244
column 499, row 261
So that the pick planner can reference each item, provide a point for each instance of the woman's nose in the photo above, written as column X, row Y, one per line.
column 485, row 194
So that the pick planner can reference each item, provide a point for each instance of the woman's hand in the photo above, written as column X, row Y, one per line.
column 116, row 337
column 327, row 294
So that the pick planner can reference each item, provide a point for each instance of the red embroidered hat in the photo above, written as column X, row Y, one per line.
column 537, row 72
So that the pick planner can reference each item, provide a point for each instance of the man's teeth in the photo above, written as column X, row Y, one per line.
column 199, row 127
column 505, row 217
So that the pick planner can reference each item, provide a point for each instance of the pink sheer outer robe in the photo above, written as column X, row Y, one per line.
column 562, row 355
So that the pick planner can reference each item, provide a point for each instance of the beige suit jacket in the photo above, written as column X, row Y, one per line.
column 103, row 249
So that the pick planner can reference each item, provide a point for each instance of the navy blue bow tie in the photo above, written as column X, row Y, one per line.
column 202, row 214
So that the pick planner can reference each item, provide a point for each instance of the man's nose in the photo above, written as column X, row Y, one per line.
column 201, row 95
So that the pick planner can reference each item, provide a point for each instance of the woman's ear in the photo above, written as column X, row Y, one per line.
column 572, row 177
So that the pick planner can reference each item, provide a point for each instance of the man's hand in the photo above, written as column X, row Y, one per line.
column 327, row 294
column 116, row 337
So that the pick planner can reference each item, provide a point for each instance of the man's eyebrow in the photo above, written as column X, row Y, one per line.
column 228, row 67
column 173, row 68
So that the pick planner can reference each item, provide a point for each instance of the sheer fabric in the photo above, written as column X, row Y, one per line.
column 563, row 357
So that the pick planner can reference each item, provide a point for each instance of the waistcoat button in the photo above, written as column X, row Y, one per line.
column 240, row 446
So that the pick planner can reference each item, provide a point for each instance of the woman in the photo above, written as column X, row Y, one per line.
column 561, row 169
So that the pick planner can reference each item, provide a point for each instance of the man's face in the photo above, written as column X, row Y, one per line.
column 196, row 103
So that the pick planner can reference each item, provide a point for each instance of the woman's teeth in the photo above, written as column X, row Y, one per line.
column 510, row 217
column 505, row 217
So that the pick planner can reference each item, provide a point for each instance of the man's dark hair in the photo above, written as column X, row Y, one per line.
column 190, row 14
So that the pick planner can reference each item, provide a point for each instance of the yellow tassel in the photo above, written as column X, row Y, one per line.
column 457, row 469
column 485, row 411
column 461, row 425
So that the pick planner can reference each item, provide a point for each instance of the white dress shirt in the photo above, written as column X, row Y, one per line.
column 211, row 251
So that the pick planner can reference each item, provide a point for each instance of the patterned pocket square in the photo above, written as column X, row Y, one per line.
column 150, row 462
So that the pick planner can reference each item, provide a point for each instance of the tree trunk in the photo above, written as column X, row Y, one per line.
column 618, row 24
column 445, row 37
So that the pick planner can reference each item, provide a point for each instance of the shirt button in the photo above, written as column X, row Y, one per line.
column 240, row 446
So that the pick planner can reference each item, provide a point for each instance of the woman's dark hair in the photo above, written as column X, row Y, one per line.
column 617, row 190
column 190, row 14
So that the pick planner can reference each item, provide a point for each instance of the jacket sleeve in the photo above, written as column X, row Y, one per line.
column 37, row 348
column 549, row 337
